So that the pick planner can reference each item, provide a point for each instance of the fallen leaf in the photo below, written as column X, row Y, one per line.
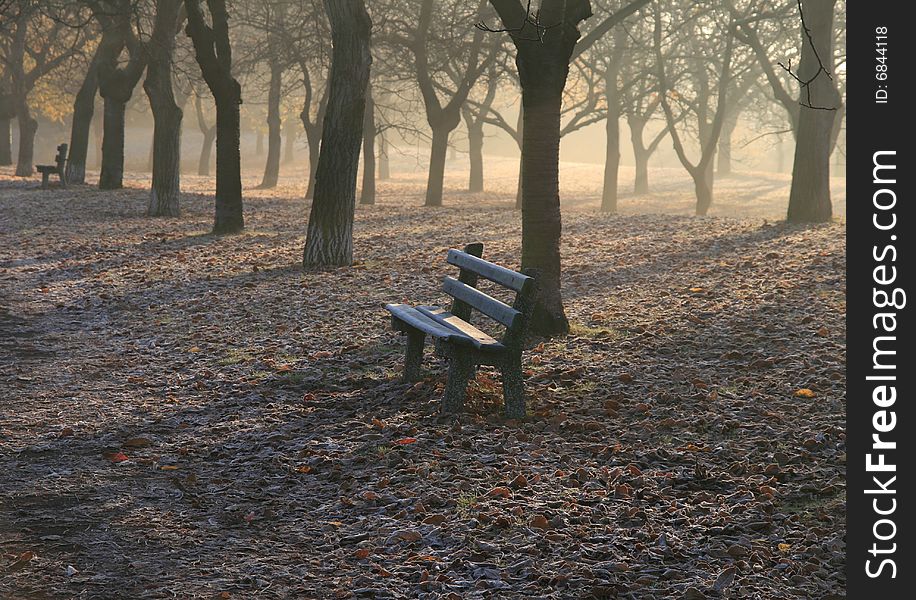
column 500, row 491
column 116, row 457
column 539, row 521
column 725, row 579
column 784, row 547
column 194, row 349
column 169, row 468
column 137, row 442
column 405, row 441
column 804, row 393
column 361, row 553
column 65, row 432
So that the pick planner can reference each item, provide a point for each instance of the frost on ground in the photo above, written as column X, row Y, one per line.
column 196, row 416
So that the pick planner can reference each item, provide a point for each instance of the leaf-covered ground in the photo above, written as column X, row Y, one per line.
column 192, row 416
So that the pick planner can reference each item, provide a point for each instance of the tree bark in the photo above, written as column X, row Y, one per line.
column 475, row 155
column 28, row 127
column 809, row 196
column 703, row 180
column 165, row 190
column 209, row 132
column 329, row 241
column 437, row 154
column 274, row 140
column 367, row 193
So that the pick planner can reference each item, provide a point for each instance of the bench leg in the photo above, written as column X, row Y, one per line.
column 513, row 388
column 44, row 179
column 414, row 357
column 460, row 370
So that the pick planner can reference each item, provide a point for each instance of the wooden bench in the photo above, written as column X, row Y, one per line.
column 59, row 168
column 464, row 345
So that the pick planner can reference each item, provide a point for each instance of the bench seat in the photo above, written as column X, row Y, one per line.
column 443, row 325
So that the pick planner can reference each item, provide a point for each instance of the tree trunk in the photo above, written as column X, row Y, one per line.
column 475, row 155
column 703, row 180
column 520, row 128
column 313, row 135
column 384, row 166
column 809, row 196
column 165, row 190
column 228, row 214
column 112, row 175
column 259, row 143
column 274, row 140
column 83, row 110
column 367, row 193
column 206, row 151
column 7, row 114
column 28, row 127
column 541, row 223
column 640, row 155
column 212, row 49
column 98, row 134
column 725, row 145
column 289, row 141
column 329, row 241
column 437, row 155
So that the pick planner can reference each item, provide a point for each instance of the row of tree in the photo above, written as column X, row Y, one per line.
column 695, row 67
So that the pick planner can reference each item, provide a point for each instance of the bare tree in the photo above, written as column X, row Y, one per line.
column 167, row 115
column 33, row 43
column 545, row 44
column 213, row 51
column 329, row 241
column 709, row 101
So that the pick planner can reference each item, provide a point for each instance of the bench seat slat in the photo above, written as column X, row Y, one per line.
column 517, row 282
column 488, row 305
column 414, row 318
column 481, row 340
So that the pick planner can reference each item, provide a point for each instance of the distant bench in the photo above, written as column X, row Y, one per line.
column 59, row 168
column 464, row 345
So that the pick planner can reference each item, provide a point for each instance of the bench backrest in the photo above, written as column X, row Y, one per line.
column 466, row 296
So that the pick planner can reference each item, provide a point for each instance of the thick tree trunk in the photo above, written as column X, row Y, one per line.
column 329, row 241
column 274, row 140
column 541, row 224
column 228, row 214
column 83, row 111
column 6, row 141
column 367, row 193
column 165, row 190
column 520, row 128
column 475, row 155
column 437, row 154
column 112, row 175
column 98, row 133
column 384, row 166
column 28, row 127
column 809, row 196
